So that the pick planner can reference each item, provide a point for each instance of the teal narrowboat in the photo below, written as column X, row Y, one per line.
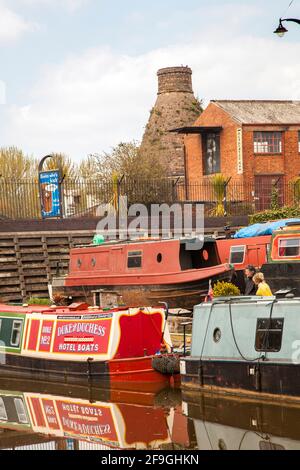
column 248, row 345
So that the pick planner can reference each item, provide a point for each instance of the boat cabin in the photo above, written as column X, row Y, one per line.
column 144, row 257
column 285, row 246
column 242, row 252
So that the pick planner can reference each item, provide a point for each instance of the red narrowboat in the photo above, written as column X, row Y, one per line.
column 115, row 348
column 144, row 272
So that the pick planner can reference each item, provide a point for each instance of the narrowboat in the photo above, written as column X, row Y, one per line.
column 87, row 421
column 245, row 346
column 225, row 423
column 143, row 272
column 70, row 344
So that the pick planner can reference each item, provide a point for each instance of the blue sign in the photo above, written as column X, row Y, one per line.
column 50, row 194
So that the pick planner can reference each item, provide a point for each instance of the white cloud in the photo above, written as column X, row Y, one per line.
column 93, row 101
column 12, row 26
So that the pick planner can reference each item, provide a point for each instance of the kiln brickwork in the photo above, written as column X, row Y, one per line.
column 176, row 106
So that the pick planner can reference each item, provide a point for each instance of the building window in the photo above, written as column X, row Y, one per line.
column 289, row 247
column 134, row 259
column 269, row 334
column 267, row 142
column 237, row 254
column 16, row 333
column 211, row 152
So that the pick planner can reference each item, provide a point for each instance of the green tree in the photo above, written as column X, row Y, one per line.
column 124, row 160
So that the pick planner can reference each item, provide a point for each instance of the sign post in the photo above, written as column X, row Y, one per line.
column 50, row 192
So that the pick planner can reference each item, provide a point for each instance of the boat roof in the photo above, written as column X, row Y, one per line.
column 82, row 308
column 143, row 240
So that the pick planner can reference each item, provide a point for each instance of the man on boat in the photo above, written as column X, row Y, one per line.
column 250, row 286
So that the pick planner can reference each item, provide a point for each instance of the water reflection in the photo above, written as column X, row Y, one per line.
column 236, row 424
column 74, row 418
column 60, row 417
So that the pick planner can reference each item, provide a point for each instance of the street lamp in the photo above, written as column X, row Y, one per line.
column 281, row 30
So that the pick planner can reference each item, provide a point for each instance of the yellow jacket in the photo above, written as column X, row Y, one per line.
column 264, row 290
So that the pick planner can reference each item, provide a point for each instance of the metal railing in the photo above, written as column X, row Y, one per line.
column 19, row 199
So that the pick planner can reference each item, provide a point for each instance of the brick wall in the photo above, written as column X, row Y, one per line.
column 287, row 163
column 213, row 116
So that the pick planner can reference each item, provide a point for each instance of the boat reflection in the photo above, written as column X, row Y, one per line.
column 82, row 417
column 236, row 424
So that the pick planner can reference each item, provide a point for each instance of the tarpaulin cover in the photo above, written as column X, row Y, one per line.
column 258, row 230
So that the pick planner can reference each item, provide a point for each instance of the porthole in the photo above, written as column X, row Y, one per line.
column 159, row 258
column 79, row 263
column 205, row 255
column 93, row 262
column 217, row 335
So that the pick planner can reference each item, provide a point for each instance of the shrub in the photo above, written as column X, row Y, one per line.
column 269, row 215
column 225, row 289
column 219, row 183
column 37, row 301
column 274, row 206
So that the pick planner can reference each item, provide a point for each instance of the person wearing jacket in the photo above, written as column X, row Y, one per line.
column 250, row 286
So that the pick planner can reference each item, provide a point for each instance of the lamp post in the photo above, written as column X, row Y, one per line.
column 281, row 30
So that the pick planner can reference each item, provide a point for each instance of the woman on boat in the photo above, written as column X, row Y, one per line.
column 263, row 289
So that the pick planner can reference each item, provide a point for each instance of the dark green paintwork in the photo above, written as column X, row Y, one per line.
column 6, row 325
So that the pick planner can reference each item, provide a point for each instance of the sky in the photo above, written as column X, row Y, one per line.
column 79, row 76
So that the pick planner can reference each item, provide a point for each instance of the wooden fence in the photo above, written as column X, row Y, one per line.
column 28, row 261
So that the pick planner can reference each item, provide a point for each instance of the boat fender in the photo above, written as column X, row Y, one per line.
column 168, row 365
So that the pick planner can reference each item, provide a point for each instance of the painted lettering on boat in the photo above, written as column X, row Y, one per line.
column 83, row 337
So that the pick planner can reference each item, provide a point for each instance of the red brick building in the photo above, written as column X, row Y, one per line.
column 254, row 142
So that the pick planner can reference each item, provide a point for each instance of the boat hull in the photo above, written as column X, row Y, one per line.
column 283, row 276
column 264, row 381
column 184, row 295
column 134, row 374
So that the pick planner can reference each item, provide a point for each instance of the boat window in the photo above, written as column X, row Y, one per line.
column 3, row 414
column 16, row 333
column 237, row 254
column 269, row 334
column 135, row 259
column 289, row 247
column 21, row 412
column 159, row 258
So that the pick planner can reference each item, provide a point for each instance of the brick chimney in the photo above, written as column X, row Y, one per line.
column 176, row 106
column 175, row 80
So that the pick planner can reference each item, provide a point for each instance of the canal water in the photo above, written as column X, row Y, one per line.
column 35, row 416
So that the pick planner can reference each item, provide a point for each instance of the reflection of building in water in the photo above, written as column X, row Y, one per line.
column 229, row 424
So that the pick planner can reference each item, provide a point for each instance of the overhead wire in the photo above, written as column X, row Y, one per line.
column 290, row 4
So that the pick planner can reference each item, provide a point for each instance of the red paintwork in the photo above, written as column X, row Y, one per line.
column 110, row 268
column 136, row 374
column 143, row 336
column 143, row 426
column 256, row 251
column 33, row 335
